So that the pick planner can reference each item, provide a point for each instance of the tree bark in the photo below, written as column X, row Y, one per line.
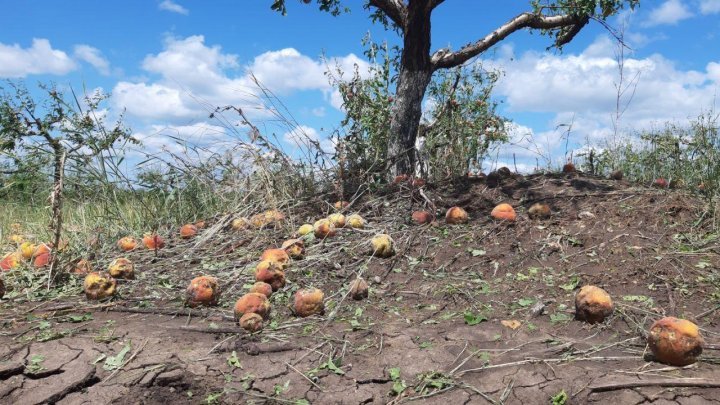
column 56, row 206
column 414, row 77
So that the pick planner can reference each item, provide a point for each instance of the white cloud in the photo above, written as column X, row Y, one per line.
column 40, row 58
column 194, row 78
column 307, row 138
column 169, row 5
column 710, row 6
column 669, row 13
column 94, row 57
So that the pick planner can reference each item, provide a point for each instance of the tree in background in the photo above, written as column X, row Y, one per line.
column 53, row 130
column 560, row 19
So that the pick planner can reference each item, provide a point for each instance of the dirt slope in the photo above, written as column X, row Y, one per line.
column 432, row 330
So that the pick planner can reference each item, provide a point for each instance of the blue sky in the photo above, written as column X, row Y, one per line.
column 166, row 61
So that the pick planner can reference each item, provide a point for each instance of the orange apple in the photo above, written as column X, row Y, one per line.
column 504, row 212
column 188, row 231
column 10, row 261
column 27, row 249
column 401, row 178
column 252, row 303
column 99, row 285
column 422, row 217
column 341, row 205
column 276, row 255
column 456, row 215
column 82, row 267
column 324, row 229
column 270, row 272
column 122, row 268
column 295, row 248
column 676, row 342
column 309, row 301
column 539, row 211
column 201, row 224
column 359, row 289
column 337, row 219
column 251, row 322
column 262, row 288
column 153, row 241
column 127, row 243
column 660, row 183
column 593, row 304
column 202, row 290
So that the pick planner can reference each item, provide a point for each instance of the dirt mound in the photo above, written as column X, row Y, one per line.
column 474, row 313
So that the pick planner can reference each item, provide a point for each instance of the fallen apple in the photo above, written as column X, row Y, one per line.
column 305, row 229
column 359, row 289
column 295, row 248
column 660, row 183
column 16, row 239
column 337, row 219
column 324, row 229
column 202, row 290
column 10, row 261
column 456, row 215
column 238, row 224
column 99, row 285
column 355, row 221
column 82, row 267
column 41, row 256
column 341, row 205
column 593, row 304
column 122, row 268
column 252, row 303
column 127, row 243
column 569, row 168
column 270, row 272
column 251, row 322
column 188, row 231
column 262, row 288
column 401, row 178
column 422, row 217
column 674, row 341
column 27, row 249
column 279, row 256
column 201, row 224
column 382, row 245
column 309, row 301
column 539, row 211
column 504, row 212
column 153, row 241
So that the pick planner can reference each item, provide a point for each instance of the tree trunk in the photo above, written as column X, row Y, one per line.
column 56, row 207
column 415, row 74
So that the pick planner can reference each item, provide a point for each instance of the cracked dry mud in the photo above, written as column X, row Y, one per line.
column 431, row 330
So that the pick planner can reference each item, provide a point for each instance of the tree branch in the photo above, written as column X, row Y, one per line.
column 525, row 20
column 393, row 9
column 435, row 3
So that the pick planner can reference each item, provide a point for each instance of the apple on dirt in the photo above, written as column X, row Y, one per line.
column 401, row 178
column 252, row 303
column 27, row 249
column 593, row 304
column 324, row 229
column 456, row 215
column 295, row 248
column 674, row 341
column 262, row 288
column 10, row 261
column 251, row 322
column 569, row 167
column 359, row 289
column 122, row 268
column 200, row 224
column 382, row 245
column 127, row 243
column 309, row 301
column 153, row 241
column 279, row 256
column 503, row 212
column 539, row 211
column 41, row 256
column 202, row 290
column 337, row 219
column 188, row 231
column 270, row 272
column 660, row 182
column 355, row 221
column 422, row 217
column 99, row 285
column 304, row 229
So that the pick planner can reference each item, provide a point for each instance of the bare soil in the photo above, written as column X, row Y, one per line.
column 466, row 314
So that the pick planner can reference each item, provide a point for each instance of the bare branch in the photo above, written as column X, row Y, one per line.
column 394, row 9
column 525, row 20
column 435, row 3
